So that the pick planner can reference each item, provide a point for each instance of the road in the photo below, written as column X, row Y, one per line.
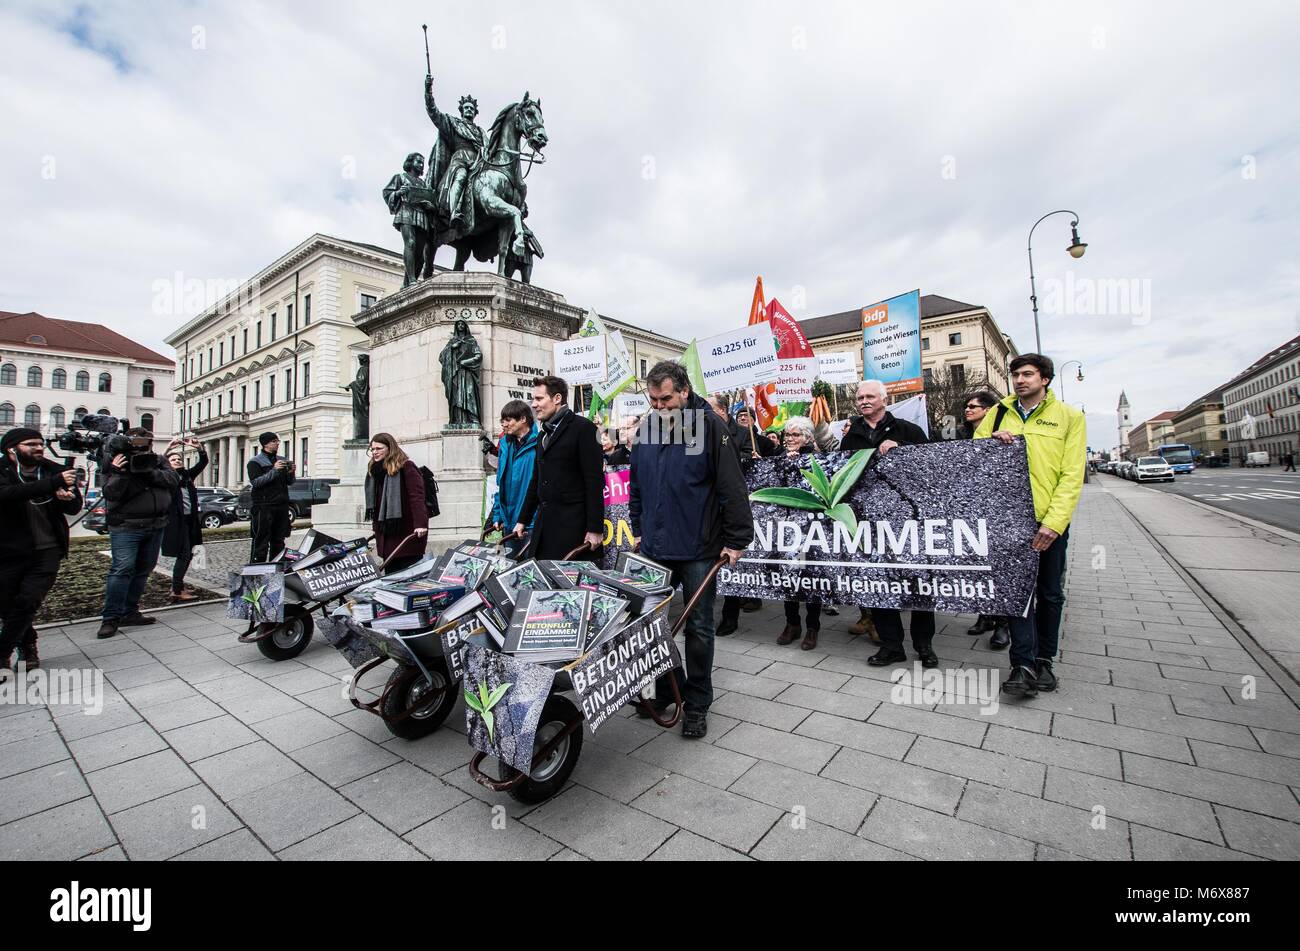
column 1268, row 495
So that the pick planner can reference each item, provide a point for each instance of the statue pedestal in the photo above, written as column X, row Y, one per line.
column 344, row 516
column 515, row 326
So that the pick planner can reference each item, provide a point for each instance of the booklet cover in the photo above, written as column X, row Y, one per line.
column 607, row 615
column 501, row 591
column 390, row 620
column 549, row 625
column 642, row 572
column 564, row 574
column 471, row 602
column 420, row 594
column 592, row 578
column 464, row 570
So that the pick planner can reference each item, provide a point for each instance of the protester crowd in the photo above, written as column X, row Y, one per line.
column 687, row 510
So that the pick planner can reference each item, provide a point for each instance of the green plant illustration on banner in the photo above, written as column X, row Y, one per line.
column 827, row 495
column 483, row 702
column 253, row 598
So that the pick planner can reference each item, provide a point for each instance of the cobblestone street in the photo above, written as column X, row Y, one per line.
column 207, row 750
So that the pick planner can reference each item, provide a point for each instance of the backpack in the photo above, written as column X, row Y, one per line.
column 430, row 491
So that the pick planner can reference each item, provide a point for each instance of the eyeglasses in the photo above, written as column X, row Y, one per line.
column 974, row 405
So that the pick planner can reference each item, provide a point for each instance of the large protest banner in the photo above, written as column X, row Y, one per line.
column 939, row 527
column 891, row 343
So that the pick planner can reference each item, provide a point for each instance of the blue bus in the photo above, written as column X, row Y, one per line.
column 1179, row 455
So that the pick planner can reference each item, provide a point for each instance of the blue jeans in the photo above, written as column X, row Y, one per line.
column 134, row 555
column 1035, row 637
column 697, row 684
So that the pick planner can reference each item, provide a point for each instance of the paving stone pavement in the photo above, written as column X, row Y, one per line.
column 205, row 749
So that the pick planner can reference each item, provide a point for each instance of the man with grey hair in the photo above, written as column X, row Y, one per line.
column 876, row 428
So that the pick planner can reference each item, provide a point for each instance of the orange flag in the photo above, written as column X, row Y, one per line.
column 765, row 409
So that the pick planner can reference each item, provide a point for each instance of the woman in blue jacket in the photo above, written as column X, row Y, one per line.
column 516, row 463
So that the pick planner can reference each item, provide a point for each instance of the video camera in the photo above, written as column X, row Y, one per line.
column 103, row 437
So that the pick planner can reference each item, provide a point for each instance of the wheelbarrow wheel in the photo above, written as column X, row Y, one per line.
column 549, row 776
column 290, row 637
column 409, row 689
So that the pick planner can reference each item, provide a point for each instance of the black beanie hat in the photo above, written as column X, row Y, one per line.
column 16, row 435
column 265, row 438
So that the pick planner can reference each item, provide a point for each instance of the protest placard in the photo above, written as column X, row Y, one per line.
column 738, row 358
column 837, row 368
column 580, row 360
column 619, row 669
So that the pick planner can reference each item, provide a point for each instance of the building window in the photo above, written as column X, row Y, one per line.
column 231, row 403
column 210, row 363
column 243, row 398
column 288, row 318
column 257, row 394
column 8, row 375
column 59, row 379
column 643, row 370
column 6, row 414
column 958, row 371
column 232, row 346
column 105, row 383
column 77, row 413
column 221, row 353
column 146, row 388
column 258, row 342
column 306, row 379
column 928, row 378
column 302, row 456
column 32, row 416
column 218, row 404
column 189, row 416
column 270, row 392
column 34, row 376
column 288, row 385
column 58, row 418
column 368, row 301
column 273, row 328
column 246, row 340
column 146, row 421
column 925, row 343
column 209, row 407
column 306, row 310
column 954, row 340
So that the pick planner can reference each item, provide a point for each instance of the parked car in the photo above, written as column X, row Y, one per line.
column 303, row 494
column 216, row 510
column 96, row 519
column 1153, row 469
column 1257, row 459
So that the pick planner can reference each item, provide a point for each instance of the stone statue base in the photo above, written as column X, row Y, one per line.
column 515, row 326
column 344, row 516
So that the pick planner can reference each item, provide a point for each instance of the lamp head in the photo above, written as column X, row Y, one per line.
column 1076, row 247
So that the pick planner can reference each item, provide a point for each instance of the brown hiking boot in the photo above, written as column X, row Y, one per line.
column 790, row 633
column 865, row 626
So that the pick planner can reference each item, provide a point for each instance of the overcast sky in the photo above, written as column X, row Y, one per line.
column 845, row 152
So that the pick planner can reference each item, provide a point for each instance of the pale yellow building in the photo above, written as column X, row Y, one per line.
column 274, row 355
column 1145, row 437
column 1203, row 425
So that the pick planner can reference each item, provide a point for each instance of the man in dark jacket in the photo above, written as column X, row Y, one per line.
column 35, row 496
column 269, row 517
column 688, row 504
column 566, row 500
column 139, row 501
column 876, row 428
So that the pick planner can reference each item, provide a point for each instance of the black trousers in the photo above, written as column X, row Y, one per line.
column 813, row 610
column 181, row 566
column 24, row 583
column 269, row 525
column 889, row 625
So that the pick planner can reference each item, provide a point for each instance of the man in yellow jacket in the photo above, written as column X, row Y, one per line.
column 1056, row 441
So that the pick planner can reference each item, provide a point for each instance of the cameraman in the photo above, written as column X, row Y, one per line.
column 35, row 495
column 269, row 521
column 138, row 488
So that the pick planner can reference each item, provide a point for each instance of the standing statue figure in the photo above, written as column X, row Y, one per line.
column 411, row 204
column 360, row 388
column 456, row 157
column 461, row 361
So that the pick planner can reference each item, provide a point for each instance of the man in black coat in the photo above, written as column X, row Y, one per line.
column 876, row 428
column 35, row 496
column 270, row 521
column 567, row 494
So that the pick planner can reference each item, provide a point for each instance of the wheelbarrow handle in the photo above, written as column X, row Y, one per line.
column 585, row 546
column 373, row 705
column 395, row 550
column 699, row 592
column 668, row 722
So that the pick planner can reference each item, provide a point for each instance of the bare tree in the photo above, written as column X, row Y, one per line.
column 945, row 395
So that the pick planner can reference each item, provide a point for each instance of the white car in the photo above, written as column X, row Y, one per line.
column 1256, row 459
column 1153, row 469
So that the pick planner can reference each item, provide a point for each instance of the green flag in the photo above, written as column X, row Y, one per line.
column 691, row 360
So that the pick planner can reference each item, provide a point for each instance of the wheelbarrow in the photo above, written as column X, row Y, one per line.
column 558, row 742
column 421, row 691
column 284, row 640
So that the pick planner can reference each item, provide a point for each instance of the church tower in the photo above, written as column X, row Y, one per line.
column 1125, row 423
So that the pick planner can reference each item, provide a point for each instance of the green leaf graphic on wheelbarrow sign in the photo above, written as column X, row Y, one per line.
column 483, row 702
column 827, row 495
column 253, row 598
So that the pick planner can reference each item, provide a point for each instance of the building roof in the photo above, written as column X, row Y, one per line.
column 74, row 336
column 1160, row 418
column 848, row 321
column 1263, row 361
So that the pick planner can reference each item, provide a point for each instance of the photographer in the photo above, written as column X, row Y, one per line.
column 183, row 529
column 35, row 495
column 270, row 478
column 138, row 488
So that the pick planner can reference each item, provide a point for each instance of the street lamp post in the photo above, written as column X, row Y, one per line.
column 1076, row 250
column 1060, row 374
